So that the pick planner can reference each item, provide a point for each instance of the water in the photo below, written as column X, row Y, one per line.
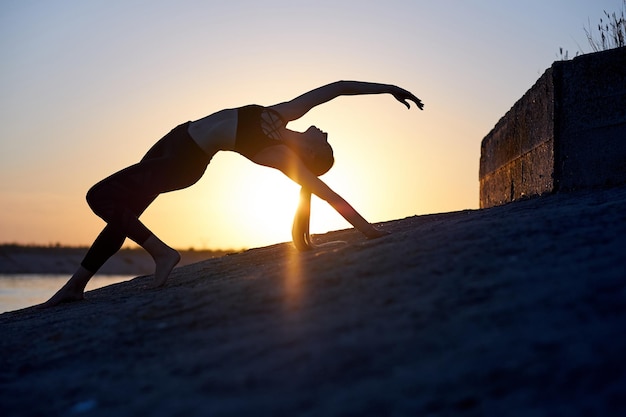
column 25, row 290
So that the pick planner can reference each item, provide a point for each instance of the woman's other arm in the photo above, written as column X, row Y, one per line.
column 283, row 159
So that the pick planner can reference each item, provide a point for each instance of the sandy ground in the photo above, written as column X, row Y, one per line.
column 517, row 310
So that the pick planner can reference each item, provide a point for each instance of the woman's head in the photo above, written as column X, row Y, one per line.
column 315, row 151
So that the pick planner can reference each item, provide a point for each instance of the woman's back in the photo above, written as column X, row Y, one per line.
column 215, row 132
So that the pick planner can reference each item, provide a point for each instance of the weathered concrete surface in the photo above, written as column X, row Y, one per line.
column 517, row 310
column 591, row 108
column 516, row 158
column 567, row 132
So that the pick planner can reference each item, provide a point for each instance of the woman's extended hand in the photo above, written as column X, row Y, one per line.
column 403, row 95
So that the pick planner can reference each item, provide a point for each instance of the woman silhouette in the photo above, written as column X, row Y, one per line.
column 180, row 158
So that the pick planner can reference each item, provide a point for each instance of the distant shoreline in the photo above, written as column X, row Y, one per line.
column 26, row 259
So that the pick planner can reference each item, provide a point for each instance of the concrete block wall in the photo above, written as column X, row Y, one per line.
column 567, row 132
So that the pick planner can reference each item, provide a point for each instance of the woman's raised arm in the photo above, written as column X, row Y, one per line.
column 299, row 106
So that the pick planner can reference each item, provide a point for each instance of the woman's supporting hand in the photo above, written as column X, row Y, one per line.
column 375, row 233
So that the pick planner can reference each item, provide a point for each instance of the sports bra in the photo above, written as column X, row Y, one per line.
column 255, row 133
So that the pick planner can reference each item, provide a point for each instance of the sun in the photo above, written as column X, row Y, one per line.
column 262, row 207
column 267, row 205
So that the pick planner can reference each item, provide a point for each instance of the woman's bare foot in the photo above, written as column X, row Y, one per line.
column 165, row 259
column 64, row 295
column 73, row 290
column 164, row 266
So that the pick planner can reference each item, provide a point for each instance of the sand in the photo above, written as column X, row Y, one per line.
column 517, row 310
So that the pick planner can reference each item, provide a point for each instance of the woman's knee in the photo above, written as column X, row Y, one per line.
column 93, row 196
column 101, row 200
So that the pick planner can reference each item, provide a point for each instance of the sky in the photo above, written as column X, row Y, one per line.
column 86, row 87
